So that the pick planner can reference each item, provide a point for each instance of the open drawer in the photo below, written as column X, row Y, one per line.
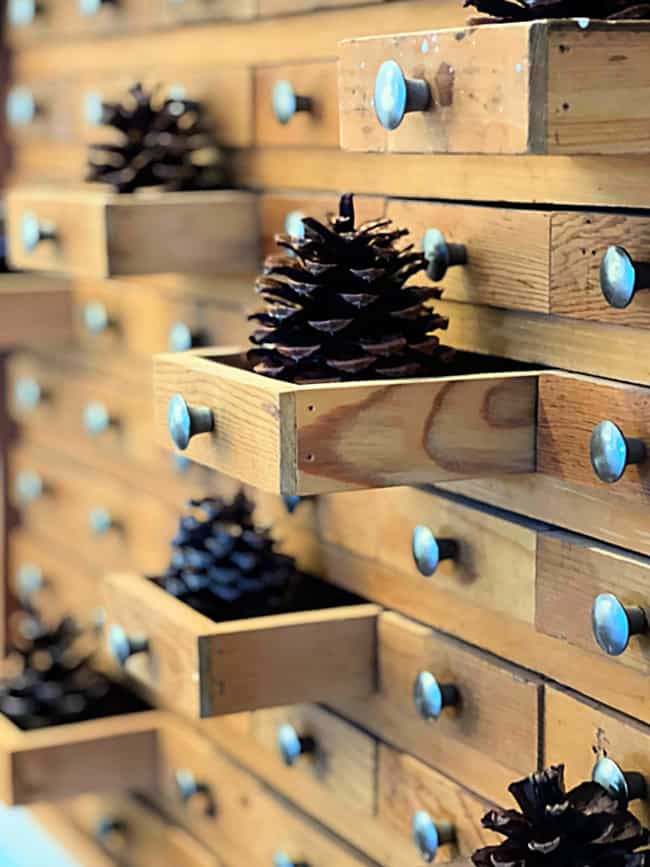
column 35, row 309
column 188, row 663
column 313, row 439
column 60, row 761
column 94, row 233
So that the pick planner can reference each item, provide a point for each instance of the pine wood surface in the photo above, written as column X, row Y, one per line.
column 55, row 115
column 117, row 752
column 34, row 308
column 201, row 668
column 55, row 821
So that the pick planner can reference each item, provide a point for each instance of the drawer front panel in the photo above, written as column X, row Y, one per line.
column 563, row 440
column 490, row 737
column 577, row 733
column 195, row 11
column 338, row 757
column 277, row 122
column 40, row 112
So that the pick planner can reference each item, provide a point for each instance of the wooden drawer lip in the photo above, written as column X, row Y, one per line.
column 61, row 761
column 276, row 442
column 538, row 113
column 221, row 668
column 104, row 234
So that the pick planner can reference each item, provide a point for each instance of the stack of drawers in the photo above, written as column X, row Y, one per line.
column 466, row 511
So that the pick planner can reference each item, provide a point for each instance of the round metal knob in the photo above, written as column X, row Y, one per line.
column 188, row 787
column 613, row 624
column 97, row 419
column 180, row 337
column 286, row 102
column 122, row 646
column 27, row 392
column 92, row 7
column 624, row 786
column 431, row 697
column 32, row 232
column 428, row 551
column 282, row 860
column 184, row 422
column 100, row 521
column 29, row 487
column 428, row 835
column 294, row 226
column 96, row 318
column 29, row 581
column 107, row 826
column 621, row 277
column 21, row 107
column 22, row 12
column 94, row 108
column 292, row 745
column 440, row 254
column 611, row 451
column 396, row 95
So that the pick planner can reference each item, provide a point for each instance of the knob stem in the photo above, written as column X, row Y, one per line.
column 446, row 832
column 638, row 620
column 418, row 95
column 636, row 450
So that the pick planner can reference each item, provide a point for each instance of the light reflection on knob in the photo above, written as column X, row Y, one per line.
column 611, row 452
column 621, row 277
column 613, row 624
column 624, row 786
column 396, row 95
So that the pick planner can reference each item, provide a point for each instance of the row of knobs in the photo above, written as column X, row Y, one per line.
column 22, row 13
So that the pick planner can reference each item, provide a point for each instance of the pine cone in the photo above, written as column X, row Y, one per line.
column 165, row 142
column 337, row 307
column 582, row 828
column 54, row 682
column 500, row 11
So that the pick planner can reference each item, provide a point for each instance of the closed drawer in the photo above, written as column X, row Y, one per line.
column 408, row 788
column 97, row 234
column 118, row 752
column 601, row 440
column 55, row 820
column 478, row 90
column 20, row 296
column 54, row 18
column 578, row 732
column 134, row 835
column 201, row 668
column 320, row 746
column 297, row 105
column 40, row 111
column 316, row 439
column 486, row 730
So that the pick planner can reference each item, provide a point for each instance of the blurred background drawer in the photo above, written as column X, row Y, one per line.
column 194, row 11
column 29, row 21
column 40, row 111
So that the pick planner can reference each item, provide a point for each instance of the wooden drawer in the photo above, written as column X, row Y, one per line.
column 568, row 445
column 117, row 752
column 97, row 234
column 187, row 11
column 489, row 738
column 40, row 111
column 297, row 105
column 481, row 92
column 324, row 438
column 320, row 746
column 226, row 93
column 55, row 18
column 578, row 732
column 77, row 844
column 201, row 668
column 572, row 574
column 407, row 787
column 134, row 835
column 235, row 814
column 20, row 296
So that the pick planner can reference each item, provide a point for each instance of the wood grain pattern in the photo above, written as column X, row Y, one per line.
column 407, row 785
column 489, row 739
column 507, row 251
column 61, row 761
column 318, row 127
column 570, row 574
column 485, row 542
column 34, row 309
column 479, row 91
column 577, row 732
column 563, row 437
column 344, row 763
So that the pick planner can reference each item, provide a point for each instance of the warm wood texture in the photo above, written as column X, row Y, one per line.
column 571, row 572
column 489, row 739
column 34, row 309
column 563, row 436
column 318, row 127
column 344, row 763
column 490, row 93
column 507, row 251
column 578, row 731
column 322, row 438
column 407, row 785
column 61, row 761
column 76, row 843
column 54, row 116
column 486, row 541
column 190, row 11
column 61, row 18
column 200, row 668
column 100, row 234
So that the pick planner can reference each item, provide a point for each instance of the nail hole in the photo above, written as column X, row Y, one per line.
column 593, row 252
column 583, row 251
column 564, row 49
column 309, row 457
column 311, row 407
column 565, row 106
